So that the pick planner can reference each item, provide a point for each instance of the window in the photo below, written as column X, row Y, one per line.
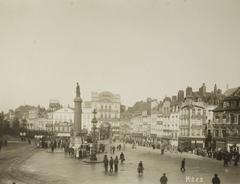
column 193, row 111
column 233, row 104
column 232, row 118
column 224, row 133
column 225, row 104
column 216, row 133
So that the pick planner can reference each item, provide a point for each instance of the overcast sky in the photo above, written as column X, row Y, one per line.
column 135, row 48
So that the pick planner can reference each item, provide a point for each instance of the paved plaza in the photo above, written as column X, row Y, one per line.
column 58, row 168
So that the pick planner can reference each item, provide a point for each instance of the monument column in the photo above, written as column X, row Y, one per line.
column 77, row 127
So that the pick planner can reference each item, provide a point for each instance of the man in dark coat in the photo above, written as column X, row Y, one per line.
column 225, row 161
column 236, row 159
column 183, row 165
column 111, row 164
column 215, row 179
column 116, row 164
column 164, row 179
column 113, row 149
column 122, row 157
column 105, row 161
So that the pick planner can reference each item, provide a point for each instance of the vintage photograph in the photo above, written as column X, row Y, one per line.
column 119, row 91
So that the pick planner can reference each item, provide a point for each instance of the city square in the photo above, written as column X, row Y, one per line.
column 119, row 91
column 46, row 167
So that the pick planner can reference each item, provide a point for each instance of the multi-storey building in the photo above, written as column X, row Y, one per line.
column 87, row 115
column 156, row 126
column 125, row 125
column 38, row 124
column 192, row 123
column 65, row 114
column 107, row 105
column 61, row 129
column 226, row 122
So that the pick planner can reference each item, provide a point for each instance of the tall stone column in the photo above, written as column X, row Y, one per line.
column 77, row 118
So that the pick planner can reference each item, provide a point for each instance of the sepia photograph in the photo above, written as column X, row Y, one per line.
column 119, row 91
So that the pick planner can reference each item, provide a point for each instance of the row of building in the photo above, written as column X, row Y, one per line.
column 189, row 119
column 59, row 120
column 197, row 119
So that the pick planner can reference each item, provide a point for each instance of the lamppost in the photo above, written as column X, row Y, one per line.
column 93, row 156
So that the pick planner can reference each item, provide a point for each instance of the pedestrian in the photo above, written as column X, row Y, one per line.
column 140, row 168
column 122, row 157
column 236, row 159
column 111, row 164
column 105, row 161
column 113, row 149
column 116, row 164
column 52, row 147
column 164, row 179
column 162, row 151
column 225, row 161
column 215, row 179
column 183, row 165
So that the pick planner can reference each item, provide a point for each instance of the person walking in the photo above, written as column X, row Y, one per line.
column 120, row 147
column 113, row 149
column 122, row 157
column 183, row 165
column 215, row 179
column 105, row 161
column 225, row 161
column 116, row 164
column 164, row 179
column 140, row 168
column 52, row 147
column 236, row 159
column 111, row 164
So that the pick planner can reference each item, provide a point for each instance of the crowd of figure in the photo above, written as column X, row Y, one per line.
column 111, row 164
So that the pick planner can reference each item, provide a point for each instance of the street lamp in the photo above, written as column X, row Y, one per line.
column 93, row 156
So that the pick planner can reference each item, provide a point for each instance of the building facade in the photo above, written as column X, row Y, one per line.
column 65, row 114
column 108, row 107
column 192, row 123
column 226, row 122
column 87, row 116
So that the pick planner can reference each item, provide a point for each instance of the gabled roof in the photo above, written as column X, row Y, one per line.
column 231, row 91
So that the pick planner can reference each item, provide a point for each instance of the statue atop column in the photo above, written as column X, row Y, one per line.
column 77, row 90
column 77, row 126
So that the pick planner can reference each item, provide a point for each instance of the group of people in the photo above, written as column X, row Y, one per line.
column 227, row 158
column 109, row 163
column 164, row 179
column 119, row 148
